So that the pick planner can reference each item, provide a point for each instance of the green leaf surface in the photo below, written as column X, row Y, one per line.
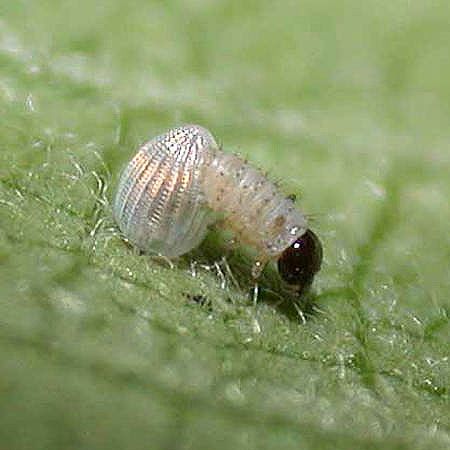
column 347, row 104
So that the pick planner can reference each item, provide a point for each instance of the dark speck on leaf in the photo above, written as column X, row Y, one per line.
column 292, row 197
column 200, row 299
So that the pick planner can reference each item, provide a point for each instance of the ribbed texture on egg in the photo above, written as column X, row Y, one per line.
column 159, row 204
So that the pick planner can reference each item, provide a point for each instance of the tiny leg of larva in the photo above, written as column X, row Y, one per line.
column 256, row 325
column 258, row 267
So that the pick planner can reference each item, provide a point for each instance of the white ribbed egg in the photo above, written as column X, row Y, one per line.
column 180, row 182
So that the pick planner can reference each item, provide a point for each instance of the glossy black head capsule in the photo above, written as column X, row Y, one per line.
column 299, row 263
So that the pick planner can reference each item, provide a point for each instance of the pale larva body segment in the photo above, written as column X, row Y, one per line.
column 179, row 183
column 159, row 204
column 254, row 209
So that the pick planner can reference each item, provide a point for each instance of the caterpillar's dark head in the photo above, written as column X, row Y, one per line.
column 299, row 263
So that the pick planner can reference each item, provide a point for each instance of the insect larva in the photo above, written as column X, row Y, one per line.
column 179, row 183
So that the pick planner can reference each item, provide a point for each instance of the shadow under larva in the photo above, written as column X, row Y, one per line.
column 180, row 183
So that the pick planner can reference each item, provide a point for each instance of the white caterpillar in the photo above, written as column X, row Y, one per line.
column 181, row 182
